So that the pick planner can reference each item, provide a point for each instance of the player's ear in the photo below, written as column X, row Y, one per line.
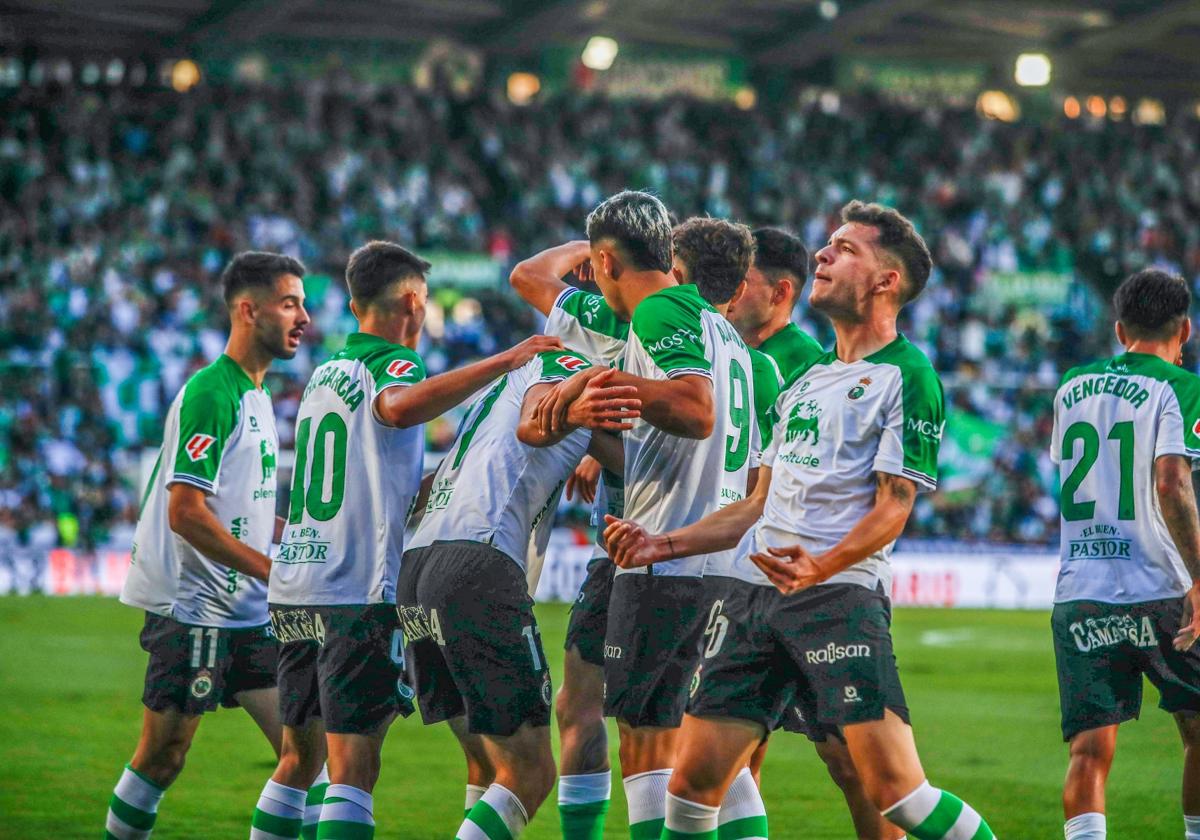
column 890, row 281
column 781, row 291
column 1120, row 330
column 355, row 309
column 1185, row 330
column 738, row 292
column 612, row 266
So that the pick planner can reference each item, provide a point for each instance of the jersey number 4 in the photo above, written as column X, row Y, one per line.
column 1122, row 432
column 326, row 487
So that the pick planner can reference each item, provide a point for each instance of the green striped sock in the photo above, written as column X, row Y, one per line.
column 498, row 815
column 646, row 795
column 931, row 814
column 474, row 794
column 279, row 813
column 672, row 834
column 133, row 807
column 646, row 830
column 743, row 815
column 312, row 804
column 687, row 820
column 346, row 814
column 584, row 821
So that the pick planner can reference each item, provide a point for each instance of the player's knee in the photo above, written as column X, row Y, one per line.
column 163, row 765
column 1090, row 754
column 574, row 709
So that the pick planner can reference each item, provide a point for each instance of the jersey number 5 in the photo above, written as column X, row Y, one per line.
column 1122, row 432
column 322, row 496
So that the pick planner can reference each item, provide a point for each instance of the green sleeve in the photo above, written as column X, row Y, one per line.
column 397, row 365
column 207, row 419
column 672, row 334
column 593, row 313
column 1187, row 393
column 766, row 391
column 560, row 364
column 924, row 417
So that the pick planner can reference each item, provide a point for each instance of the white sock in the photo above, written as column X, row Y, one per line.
column 312, row 803
column 474, row 794
column 924, row 812
column 1191, row 828
column 646, row 794
column 743, row 814
column 497, row 801
column 346, row 803
column 584, row 788
column 133, row 806
column 279, row 812
column 1090, row 826
column 690, row 817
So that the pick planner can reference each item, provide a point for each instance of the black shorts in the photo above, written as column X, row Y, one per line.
column 589, row 612
column 342, row 664
column 193, row 668
column 829, row 646
column 651, row 647
column 800, row 717
column 474, row 647
column 1102, row 650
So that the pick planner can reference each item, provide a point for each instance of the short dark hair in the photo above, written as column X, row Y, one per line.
column 640, row 225
column 778, row 254
column 1151, row 303
column 376, row 265
column 256, row 270
column 899, row 238
column 716, row 254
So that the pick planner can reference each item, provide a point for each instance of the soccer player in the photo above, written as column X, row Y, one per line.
column 1127, row 603
column 763, row 317
column 199, row 561
column 464, row 596
column 359, row 453
column 585, row 322
column 691, row 372
column 857, row 435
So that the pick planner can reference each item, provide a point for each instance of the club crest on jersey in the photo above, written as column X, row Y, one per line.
column 198, row 445
column 571, row 363
column 202, row 686
column 400, row 367
column 858, row 390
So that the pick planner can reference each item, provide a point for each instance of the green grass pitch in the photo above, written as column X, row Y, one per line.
column 980, row 684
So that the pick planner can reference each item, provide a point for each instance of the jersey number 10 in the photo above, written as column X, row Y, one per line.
column 328, row 457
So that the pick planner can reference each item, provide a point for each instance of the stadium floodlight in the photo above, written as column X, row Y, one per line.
column 599, row 53
column 828, row 9
column 1072, row 108
column 745, row 98
column 185, row 75
column 998, row 105
column 1032, row 70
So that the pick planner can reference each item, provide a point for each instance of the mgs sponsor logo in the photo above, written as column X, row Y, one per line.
column 925, row 428
column 198, row 445
column 592, row 302
column 674, row 341
column 834, row 653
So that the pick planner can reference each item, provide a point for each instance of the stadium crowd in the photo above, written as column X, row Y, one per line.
column 119, row 207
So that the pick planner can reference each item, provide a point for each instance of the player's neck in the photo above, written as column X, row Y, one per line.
column 642, row 284
column 856, row 341
column 1168, row 351
column 249, row 355
column 403, row 331
column 756, row 336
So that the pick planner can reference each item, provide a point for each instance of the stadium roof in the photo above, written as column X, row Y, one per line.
column 1104, row 45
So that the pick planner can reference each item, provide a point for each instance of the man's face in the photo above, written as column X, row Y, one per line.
column 753, row 308
column 848, row 268
column 280, row 317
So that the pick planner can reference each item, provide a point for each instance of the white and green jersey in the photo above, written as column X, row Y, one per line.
column 587, row 324
column 672, row 481
column 220, row 437
column 353, row 482
column 840, row 424
column 490, row 487
column 1112, row 420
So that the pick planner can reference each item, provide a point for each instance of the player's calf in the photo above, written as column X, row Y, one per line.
column 585, row 784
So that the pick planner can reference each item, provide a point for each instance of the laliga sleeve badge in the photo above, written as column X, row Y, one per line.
column 202, row 685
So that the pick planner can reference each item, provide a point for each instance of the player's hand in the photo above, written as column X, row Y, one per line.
column 790, row 568
column 584, row 480
column 631, row 546
column 1189, row 630
column 604, row 406
column 551, row 409
column 584, row 270
column 521, row 353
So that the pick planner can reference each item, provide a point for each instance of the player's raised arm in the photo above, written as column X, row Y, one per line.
column 539, row 279
column 189, row 516
column 600, row 406
column 1177, row 499
column 430, row 398
column 631, row 546
column 792, row 568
